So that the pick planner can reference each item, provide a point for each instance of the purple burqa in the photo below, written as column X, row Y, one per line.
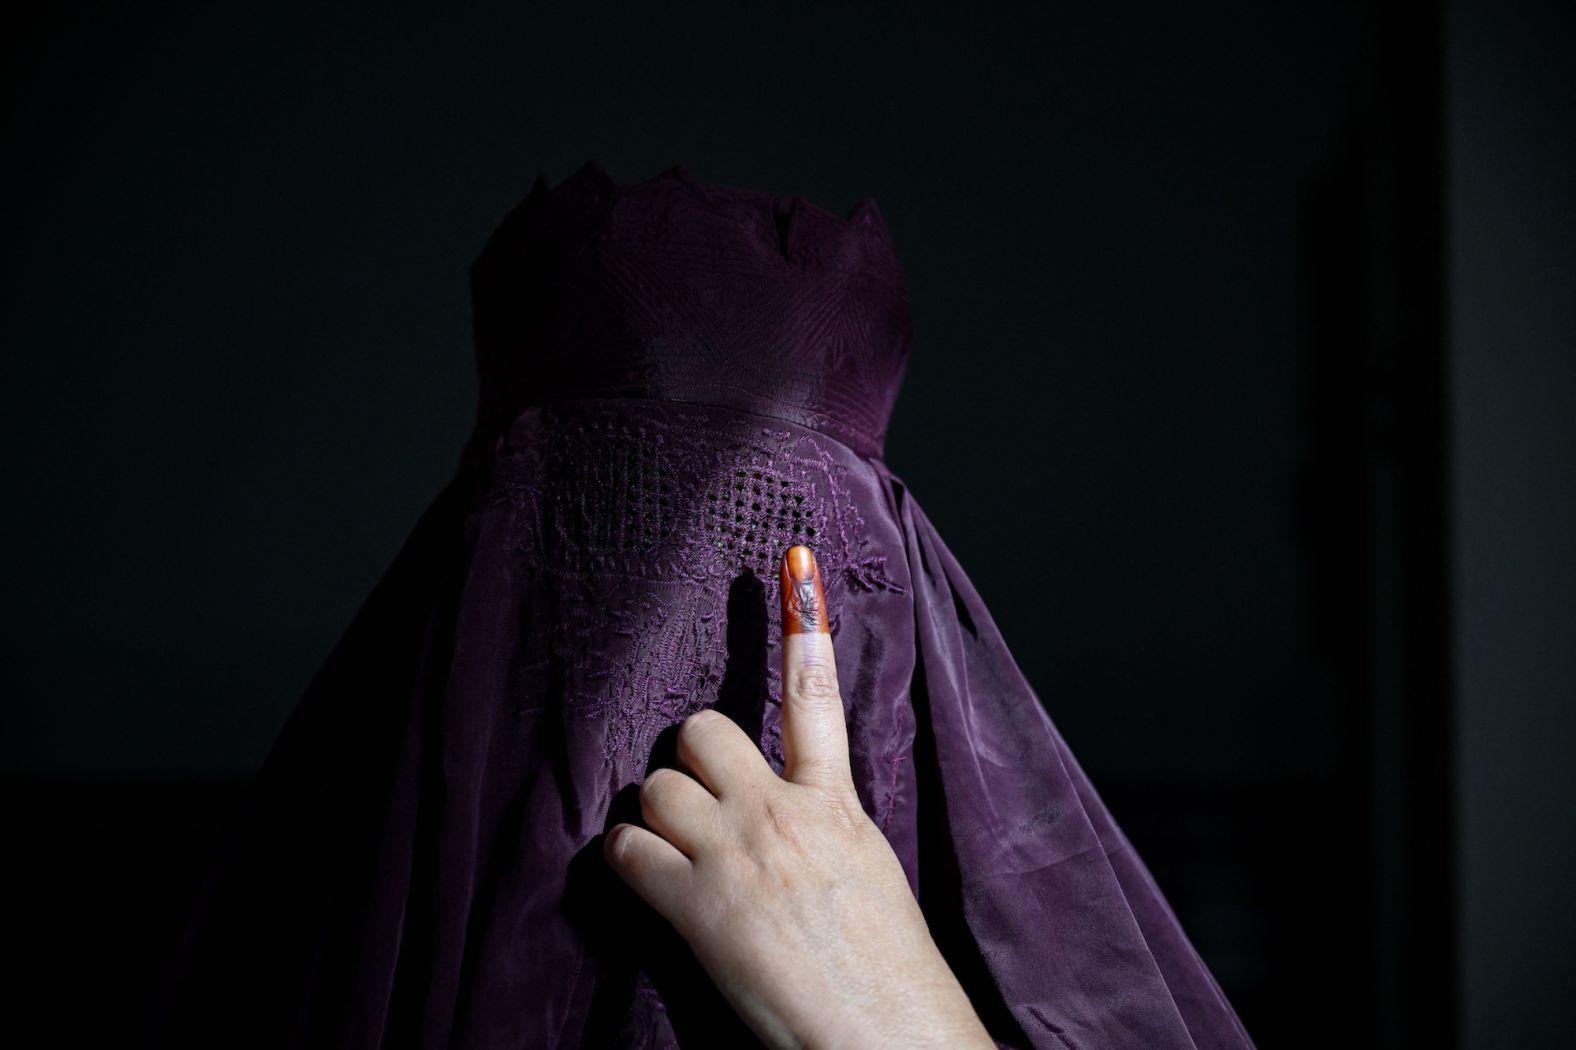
column 678, row 381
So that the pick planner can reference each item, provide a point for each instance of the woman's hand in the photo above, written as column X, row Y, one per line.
column 786, row 891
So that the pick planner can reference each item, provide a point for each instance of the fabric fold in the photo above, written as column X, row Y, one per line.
column 1079, row 944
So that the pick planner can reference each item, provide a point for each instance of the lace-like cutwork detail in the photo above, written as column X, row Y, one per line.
column 659, row 528
column 758, row 513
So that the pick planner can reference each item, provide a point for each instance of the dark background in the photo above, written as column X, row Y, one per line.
column 1271, row 311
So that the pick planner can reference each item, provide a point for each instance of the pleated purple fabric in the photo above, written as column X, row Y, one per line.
column 678, row 381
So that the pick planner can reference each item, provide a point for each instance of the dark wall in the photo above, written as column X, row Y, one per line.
column 1140, row 243
column 1512, row 166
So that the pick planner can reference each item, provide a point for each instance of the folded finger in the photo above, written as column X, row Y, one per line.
column 719, row 753
column 652, row 866
column 679, row 809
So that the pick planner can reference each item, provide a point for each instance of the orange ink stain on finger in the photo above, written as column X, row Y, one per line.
column 803, row 595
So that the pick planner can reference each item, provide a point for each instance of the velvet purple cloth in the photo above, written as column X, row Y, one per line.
column 678, row 381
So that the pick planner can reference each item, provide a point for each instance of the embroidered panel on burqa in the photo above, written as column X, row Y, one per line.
column 678, row 380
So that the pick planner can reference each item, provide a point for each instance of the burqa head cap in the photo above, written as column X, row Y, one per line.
column 680, row 290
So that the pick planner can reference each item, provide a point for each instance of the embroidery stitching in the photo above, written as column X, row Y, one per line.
column 643, row 515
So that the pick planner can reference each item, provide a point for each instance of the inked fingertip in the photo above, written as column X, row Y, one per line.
column 803, row 594
column 799, row 561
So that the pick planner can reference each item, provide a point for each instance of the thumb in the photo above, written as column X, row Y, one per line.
column 815, row 733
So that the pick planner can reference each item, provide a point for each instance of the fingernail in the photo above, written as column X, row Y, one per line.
column 804, row 599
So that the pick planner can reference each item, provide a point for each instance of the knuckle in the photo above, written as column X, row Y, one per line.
column 699, row 727
column 845, row 806
column 631, row 857
column 784, row 821
column 621, row 849
column 658, row 785
column 816, row 683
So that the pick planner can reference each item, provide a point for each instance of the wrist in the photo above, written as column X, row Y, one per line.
column 933, row 1015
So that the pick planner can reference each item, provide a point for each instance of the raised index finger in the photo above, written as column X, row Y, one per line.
column 815, row 733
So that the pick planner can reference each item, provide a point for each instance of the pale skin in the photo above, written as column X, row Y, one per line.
column 784, row 888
